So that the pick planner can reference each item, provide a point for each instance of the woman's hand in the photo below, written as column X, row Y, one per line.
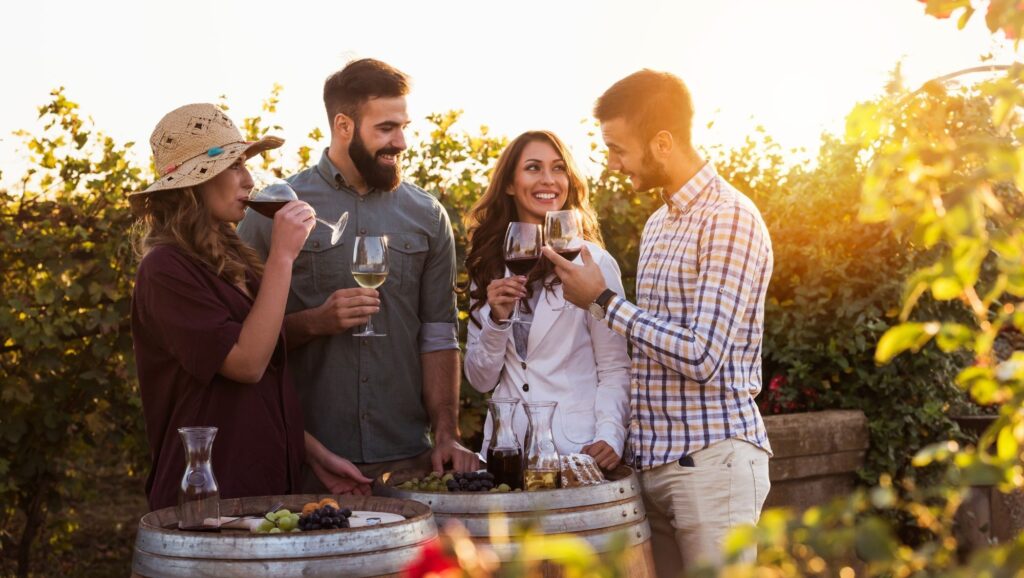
column 502, row 295
column 292, row 225
column 337, row 474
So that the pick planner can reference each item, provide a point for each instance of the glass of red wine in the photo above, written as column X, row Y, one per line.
column 564, row 234
column 522, row 252
column 270, row 193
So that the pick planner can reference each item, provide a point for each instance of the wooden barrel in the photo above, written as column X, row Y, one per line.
column 602, row 515
column 162, row 551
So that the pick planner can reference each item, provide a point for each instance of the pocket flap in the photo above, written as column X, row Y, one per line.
column 408, row 243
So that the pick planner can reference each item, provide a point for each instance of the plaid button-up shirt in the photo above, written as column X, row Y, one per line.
column 696, row 330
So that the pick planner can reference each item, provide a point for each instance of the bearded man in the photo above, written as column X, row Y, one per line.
column 373, row 400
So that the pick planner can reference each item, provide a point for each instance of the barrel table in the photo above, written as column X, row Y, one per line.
column 162, row 551
column 601, row 514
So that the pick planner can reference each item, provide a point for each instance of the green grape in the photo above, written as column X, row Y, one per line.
column 275, row 531
column 288, row 523
column 265, row 526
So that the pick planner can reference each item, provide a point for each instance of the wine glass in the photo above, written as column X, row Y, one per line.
column 522, row 252
column 563, row 233
column 370, row 270
column 270, row 193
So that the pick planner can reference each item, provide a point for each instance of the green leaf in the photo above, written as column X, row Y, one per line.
column 875, row 541
column 953, row 336
column 946, row 288
column 1007, row 447
column 902, row 337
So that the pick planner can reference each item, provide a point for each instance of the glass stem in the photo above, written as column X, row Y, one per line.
column 515, row 311
column 369, row 325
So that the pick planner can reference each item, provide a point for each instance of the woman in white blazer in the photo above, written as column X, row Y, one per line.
column 564, row 354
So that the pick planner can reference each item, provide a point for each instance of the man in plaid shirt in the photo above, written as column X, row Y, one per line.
column 696, row 436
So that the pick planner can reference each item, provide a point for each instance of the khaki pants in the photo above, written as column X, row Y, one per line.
column 691, row 509
column 311, row 484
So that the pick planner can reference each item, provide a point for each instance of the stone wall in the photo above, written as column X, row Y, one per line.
column 816, row 456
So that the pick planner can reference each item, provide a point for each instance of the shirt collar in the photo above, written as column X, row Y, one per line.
column 333, row 176
column 684, row 197
column 329, row 172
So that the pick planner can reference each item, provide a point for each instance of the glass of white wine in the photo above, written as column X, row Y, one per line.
column 370, row 270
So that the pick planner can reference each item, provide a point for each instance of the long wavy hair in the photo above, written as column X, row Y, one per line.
column 179, row 218
column 487, row 221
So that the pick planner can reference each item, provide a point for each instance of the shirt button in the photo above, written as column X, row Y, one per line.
column 361, row 199
column 526, row 387
column 316, row 244
column 365, row 379
column 407, row 245
column 362, row 231
column 523, row 363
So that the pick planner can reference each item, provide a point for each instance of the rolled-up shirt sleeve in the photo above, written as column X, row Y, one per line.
column 439, row 321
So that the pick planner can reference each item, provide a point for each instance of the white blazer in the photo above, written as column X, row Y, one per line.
column 571, row 358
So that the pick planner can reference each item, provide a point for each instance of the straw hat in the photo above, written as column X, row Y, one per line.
column 193, row 144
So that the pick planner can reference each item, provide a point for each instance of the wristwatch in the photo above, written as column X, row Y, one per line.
column 599, row 308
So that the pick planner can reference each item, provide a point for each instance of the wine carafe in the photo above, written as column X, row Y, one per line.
column 542, row 462
column 198, row 497
column 504, row 454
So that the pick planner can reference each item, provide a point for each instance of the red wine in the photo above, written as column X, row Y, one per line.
column 521, row 266
column 506, row 465
column 266, row 208
column 570, row 255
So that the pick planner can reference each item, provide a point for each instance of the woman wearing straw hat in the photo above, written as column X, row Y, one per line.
column 207, row 315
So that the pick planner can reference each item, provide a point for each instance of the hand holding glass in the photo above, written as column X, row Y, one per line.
column 270, row 193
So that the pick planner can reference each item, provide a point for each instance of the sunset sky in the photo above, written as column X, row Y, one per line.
column 794, row 66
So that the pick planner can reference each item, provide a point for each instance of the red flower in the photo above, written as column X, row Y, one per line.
column 432, row 561
column 776, row 383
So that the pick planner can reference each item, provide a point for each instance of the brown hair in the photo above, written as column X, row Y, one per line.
column 178, row 217
column 491, row 214
column 348, row 89
column 650, row 101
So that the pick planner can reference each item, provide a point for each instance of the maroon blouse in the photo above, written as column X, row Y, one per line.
column 185, row 320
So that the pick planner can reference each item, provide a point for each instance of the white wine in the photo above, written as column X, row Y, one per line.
column 370, row 280
column 541, row 480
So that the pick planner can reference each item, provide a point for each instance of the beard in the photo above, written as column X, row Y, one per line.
column 376, row 175
column 652, row 174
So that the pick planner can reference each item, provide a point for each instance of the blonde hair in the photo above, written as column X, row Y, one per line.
column 179, row 218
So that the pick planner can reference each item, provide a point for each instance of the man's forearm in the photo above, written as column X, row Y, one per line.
column 441, row 391
column 300, row 328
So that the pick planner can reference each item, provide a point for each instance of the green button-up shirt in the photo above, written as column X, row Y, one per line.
column 363, row 396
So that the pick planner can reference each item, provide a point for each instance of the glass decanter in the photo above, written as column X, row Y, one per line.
column 542, row 462
column 504, row 454
column 198, row 496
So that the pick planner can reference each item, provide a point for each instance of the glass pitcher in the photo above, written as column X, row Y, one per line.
column 504, row 454
column 198, row 496
column 542, row 462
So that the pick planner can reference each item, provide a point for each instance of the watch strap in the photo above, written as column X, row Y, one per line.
column 604, row 298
